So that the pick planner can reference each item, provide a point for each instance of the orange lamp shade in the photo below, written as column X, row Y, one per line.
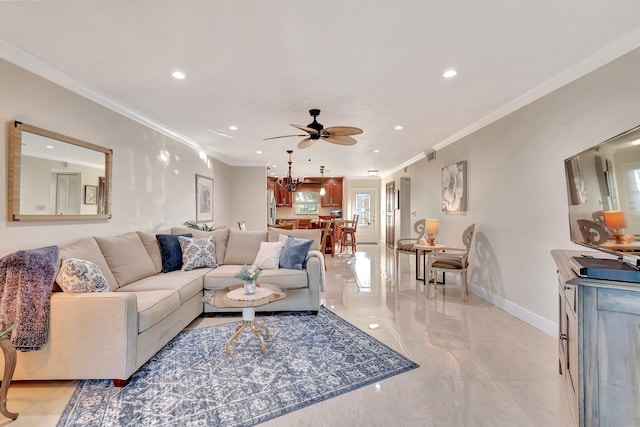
column 431, row 226
column 614, row 220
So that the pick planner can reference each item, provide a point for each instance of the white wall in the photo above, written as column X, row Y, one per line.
column 153, row 175
column 516, row 186
column 248, row 201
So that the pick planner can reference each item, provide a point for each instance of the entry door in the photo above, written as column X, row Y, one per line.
column 363, row 202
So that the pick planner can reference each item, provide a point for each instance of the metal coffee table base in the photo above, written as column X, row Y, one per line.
column 248, row 318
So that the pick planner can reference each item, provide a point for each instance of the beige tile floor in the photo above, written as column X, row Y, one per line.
column 479, row 366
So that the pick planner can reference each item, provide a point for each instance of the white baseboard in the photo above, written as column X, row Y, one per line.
column 532, row 319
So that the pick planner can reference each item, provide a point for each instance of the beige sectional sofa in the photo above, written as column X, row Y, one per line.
column 112, row 334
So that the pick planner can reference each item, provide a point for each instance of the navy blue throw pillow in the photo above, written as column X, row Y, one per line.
column 170, row 251
column 294, row 253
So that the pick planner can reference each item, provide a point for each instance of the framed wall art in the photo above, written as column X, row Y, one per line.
column 454, row 187
column 90, row 194
column 204, row 198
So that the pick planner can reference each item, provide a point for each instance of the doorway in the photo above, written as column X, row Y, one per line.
column 364, row 202
column 68, row 193
column 390, row 205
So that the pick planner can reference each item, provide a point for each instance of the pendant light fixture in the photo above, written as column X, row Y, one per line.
column 290, row 184
column 322, row 190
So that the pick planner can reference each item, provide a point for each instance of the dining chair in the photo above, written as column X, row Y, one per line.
column 453, row 260
column 326, row 237
column 293, row 222
column 304, row 223
column 348, row 234
column 285, row 226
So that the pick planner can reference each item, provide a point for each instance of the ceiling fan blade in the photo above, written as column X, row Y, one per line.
column 310, row 131
column 340, row 140
column 283, row 136
column 342, row 130
column 306, row 143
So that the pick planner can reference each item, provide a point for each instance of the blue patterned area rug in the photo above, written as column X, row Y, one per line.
column 192, row 382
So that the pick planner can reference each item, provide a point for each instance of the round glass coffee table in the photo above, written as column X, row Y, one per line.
column 6, row 325
column 261, row 297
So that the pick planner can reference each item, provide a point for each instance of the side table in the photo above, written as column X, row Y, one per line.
column 250, row 301
column 425, row 248
column 9, row 364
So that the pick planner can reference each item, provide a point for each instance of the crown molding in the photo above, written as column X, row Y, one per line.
column 609, row 53
column 24, row 59
column 403, row 165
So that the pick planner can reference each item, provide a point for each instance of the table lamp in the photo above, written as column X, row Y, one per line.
column 431, row 228
column 614, row 220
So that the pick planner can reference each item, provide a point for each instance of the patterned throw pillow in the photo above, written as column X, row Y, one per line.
column 198, row 253
column 78, row 275
column 268, row 257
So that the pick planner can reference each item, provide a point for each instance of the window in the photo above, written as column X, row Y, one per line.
column 363, row 208
column 307, row 202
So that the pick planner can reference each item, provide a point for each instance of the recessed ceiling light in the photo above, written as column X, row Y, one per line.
column 233, row 127
column 49, row 146
column 178, row 75
column 635, row 142
column 398, row 127
column 376, row 151
column 258, row 152
column 449, row 73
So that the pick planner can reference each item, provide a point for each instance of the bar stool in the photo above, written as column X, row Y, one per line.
column 348, row 235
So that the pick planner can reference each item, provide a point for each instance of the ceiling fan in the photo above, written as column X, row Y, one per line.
column 315, row 131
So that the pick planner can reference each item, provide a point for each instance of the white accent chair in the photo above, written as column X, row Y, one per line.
column 406, row 245
column 453, row 260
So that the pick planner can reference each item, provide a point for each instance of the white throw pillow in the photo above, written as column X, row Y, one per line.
column 268, row 257
column 78, row 275
column 198, row 252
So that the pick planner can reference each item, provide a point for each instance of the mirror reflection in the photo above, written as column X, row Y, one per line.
column 603, row 186
column 57, row 177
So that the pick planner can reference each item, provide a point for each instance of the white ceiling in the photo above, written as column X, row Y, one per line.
column 260, row 65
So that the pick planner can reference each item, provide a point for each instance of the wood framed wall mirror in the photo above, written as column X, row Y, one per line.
column 53, row 177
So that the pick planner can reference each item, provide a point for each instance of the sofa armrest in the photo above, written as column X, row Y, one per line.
column 93, row 332
column 315, row 271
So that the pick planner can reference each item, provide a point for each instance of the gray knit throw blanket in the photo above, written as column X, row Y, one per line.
column 26, row 278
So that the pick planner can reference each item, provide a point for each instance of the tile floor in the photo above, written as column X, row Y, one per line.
column 479, row 366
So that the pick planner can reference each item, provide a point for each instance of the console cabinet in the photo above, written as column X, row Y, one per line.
column 599, row 345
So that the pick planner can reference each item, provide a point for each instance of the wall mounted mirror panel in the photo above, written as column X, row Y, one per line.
column 53, row 177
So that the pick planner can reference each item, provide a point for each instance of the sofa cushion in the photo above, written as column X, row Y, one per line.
column 315, row 235
column 171, row 251
column 153, row 306
column 224, row 276
column 268, row 257
column 127, row 257
column 89, row 250
column 153, row 248
column 187, row 283
column 78, row 275
column 221, row 235
column 198, row 253
column 294, row 253
column 243, row 246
